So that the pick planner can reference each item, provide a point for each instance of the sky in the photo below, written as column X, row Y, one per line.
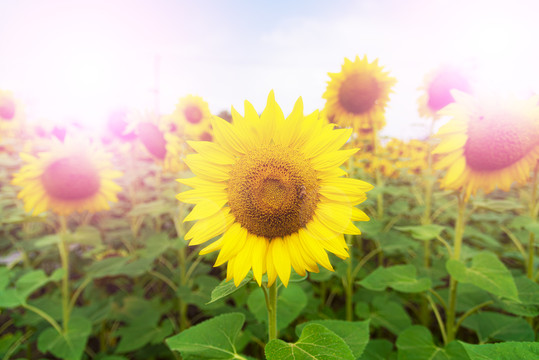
column 78, row 60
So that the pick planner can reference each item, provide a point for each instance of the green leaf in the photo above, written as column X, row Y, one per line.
column 118, row 265
column 137, row 336
column 8, row 343
column 528, row 293
column 25, row 286
column 503, row 351
column 47, row 240
column 69, row 345
column 290, row 303
column 487, row 272
column 422, row 232
column 85, row 235
column 377, row 349
column 136, row 310
column 4, row 277
column 496, row 326
column 155, row 245
column 323, row 275
column 226, row 288
column 211, row 339
column 385, row 313
column 501, row 206
column 315, row 343
column 354, row 333
column 400, row 277
column 415, row 343
column 533, row 228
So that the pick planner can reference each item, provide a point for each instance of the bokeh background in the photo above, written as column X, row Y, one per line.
column 77, row 60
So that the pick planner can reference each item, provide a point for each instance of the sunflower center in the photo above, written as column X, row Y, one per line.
column 358, row 93
column 273, row 191
column 440, row 89
column 7, row 108
column 153, row 139
column 193, row 114
column 497, row 142
column 71, row 178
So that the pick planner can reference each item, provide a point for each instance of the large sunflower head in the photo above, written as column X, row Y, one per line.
column 488, row 143
column 11, row 113
column 358, row 95
column 73, row 176
column 272, row 190
column 193, row 118
column 437, row 86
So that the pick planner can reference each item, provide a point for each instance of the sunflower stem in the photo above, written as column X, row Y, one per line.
column 64, row 256
column 459, row 230
column 271, row 305
column 426, row 220
column 376, row 153
column 182, row 264
column 349, row 289
column 533, row 215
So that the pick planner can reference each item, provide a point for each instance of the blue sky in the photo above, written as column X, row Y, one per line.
column 79, row 59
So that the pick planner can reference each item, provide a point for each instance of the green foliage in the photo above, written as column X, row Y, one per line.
column 422, row 232
column 487, row 272
column 315, row 343
column 69, row 344
column 400, row 277
column 137, row 291
column 355, row 334
column 503, row 351
column 290, row 302
column 416, row 343
column 496, row 326
column 212, row 339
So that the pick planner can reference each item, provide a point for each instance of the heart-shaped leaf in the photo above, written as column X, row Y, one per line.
column 507, row 350
column 354, row 333
column 400, row 277
column 69, row 345
column 211, row 339
column 487, row 272
column 315, row 343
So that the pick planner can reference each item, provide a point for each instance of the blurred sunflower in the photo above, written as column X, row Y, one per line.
column 72, row 176
column 437, row 86
column 488, row 143
column 371, row 163
column 273, row 189
column 357, row 96
column 193, row 118
column 165, row 146
column 11, row 113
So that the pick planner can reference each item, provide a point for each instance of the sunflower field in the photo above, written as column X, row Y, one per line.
column 258, row 234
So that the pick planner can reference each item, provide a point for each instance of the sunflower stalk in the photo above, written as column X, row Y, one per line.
column 64, row 256
column 459, row 230
column 533, row 215
column 426, row 220
column 182, row 264
column 270, row 294
column 349, row 290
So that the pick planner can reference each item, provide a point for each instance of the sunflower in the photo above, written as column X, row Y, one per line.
column 192, row 117
column 272, row 189
column 163, row 143
column 358, row 95
column 73, row 176
column 11, row 113
column 488, row 143
column 436, row 90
